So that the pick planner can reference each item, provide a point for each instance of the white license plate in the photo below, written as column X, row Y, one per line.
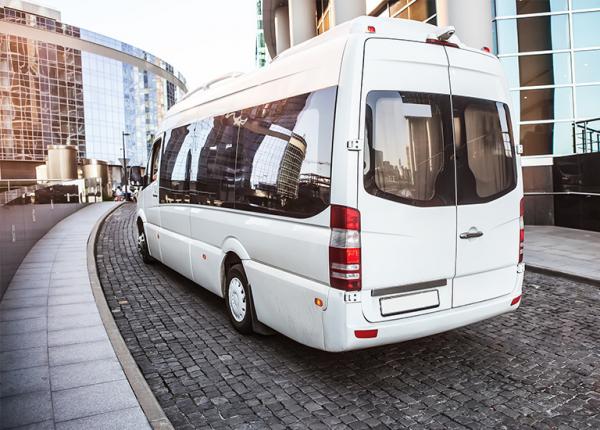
column 409, row 303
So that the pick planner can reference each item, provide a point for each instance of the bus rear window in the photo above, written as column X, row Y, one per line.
column 409, row 148
column 485, row 152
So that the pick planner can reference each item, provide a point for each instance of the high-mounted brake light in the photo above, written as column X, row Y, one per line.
column 344, row 249
column 442, row 42
column 521, row 229
column 370, row 29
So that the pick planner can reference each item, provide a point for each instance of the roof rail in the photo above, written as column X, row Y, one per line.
column 207, row 85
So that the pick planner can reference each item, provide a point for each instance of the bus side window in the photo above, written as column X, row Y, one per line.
column 155, row 160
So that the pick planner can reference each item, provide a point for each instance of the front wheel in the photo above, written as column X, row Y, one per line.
column 237, row 298
column 142, row 243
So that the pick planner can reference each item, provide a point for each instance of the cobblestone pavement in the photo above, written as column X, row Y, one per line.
column 538, row 367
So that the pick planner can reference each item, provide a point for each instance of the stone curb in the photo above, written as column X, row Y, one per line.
column 554, row 272
column 154, row 413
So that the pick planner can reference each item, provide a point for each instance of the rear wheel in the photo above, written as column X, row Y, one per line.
column 237, row 299
column 142, row 243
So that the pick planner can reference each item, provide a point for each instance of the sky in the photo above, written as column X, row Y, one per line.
column 202, row 39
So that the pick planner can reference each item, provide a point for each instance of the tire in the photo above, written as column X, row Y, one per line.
column 142, row 243
column 237, row 299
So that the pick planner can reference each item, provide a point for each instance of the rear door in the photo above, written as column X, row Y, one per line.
column 406, row 195
column 487, row 193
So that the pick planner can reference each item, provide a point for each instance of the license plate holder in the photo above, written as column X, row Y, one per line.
column 409, row 303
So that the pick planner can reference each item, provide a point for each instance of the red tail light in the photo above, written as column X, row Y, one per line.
column 521, row 229
column 344, row 249
column 442, row 42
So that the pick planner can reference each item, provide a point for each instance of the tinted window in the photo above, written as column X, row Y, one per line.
column 213, row 162
column 154, row 160
column 174, row 166
column 485, row 151
column 408, row 140
column 284, row 155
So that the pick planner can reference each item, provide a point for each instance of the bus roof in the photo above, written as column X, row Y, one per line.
column 306, row 67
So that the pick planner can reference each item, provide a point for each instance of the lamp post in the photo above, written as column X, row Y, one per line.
column 123, row 134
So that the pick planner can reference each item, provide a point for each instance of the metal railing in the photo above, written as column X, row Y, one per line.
column 586, row 136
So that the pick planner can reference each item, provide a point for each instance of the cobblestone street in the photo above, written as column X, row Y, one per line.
column 538, row 367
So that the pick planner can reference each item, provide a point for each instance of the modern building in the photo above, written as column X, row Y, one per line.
column 61, row 84
column 261, row 54
column 550, row 50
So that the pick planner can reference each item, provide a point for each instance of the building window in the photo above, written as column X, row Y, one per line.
column 548, row 64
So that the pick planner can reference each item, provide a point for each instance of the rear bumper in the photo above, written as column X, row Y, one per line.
column 342, row 338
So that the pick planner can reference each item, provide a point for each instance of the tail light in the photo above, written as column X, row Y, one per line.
column 344, row 249
column 521, row 229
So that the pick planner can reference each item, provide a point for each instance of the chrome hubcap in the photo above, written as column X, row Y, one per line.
column 237, row 299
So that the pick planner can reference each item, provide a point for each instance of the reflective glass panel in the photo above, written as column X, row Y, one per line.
column 586, row 4
column 284, row 155
column 507, row 36
column 551, row 138
column 551, row 103
column 588, row 101
column 511, row 68
column 483, row 137
column 514, row 7
column 585, row 29
column 540, row 33
column 545, row 69
column 587, row 66
column 409, row 154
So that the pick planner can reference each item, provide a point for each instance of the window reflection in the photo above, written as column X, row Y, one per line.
column 586, row 4
column 588, row 101
column 511, row 68
column 550, row 103
column 545, row 69
column 587, row 66
column 549, row 138
column 514, row 7
column 585, row 29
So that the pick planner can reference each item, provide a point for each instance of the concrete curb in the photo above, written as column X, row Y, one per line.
column 154, row 413
column 554, row 272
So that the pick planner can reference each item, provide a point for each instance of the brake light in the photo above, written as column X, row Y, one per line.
column 521, row 229
column 344, row 249
column 442, row 42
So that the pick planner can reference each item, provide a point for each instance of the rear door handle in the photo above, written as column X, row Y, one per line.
column 471, row 234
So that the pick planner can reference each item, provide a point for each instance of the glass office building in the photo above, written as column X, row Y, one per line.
column 60, row 84
column 551, row 54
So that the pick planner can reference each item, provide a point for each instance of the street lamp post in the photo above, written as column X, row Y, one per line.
column 123, row 134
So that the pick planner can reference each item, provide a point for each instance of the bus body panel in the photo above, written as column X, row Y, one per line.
column 286, row 259
column 403, row 244
column 486, row 267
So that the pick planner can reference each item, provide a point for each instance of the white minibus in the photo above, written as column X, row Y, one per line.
column 363, row 189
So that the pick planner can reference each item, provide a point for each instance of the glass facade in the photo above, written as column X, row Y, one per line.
column 551, row 52
column 53, row 94
column 261, row 47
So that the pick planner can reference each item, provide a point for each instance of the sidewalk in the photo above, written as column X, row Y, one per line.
column 57, row 366
column 574, row 253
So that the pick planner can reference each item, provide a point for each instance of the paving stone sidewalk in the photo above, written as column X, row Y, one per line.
column 534, row 368
column 57, row 366
column 566, row 250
